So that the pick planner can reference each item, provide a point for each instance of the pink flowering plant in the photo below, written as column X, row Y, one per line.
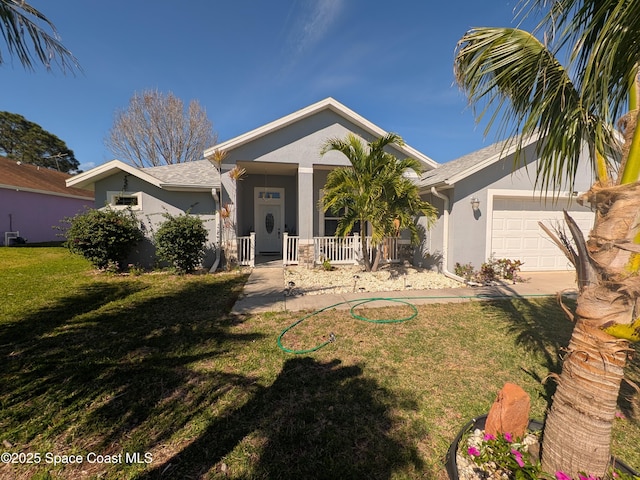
column 507, row 457
column 503, row 454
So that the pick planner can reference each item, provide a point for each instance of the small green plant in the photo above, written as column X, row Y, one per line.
column 135, row 270
column 507, row 269
column 326, row 265
column 180, row 241
column 465, row 271
column 490, row 271
column 104, row 237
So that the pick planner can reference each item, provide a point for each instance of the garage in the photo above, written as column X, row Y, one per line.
column 515, row 233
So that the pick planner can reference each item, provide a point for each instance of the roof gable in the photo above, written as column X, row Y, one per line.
column 33, row 178
column 326, row 104
column 197, row 175
column 451, row 172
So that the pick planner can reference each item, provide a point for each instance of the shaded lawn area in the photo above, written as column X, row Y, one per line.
column 154, row 364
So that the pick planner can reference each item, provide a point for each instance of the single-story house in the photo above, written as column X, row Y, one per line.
column 272, row 208
column 34, row 200
column 272, row 211
column 487, row 209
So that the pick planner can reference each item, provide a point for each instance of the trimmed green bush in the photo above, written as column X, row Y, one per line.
column 104, row 237
column 180, row 241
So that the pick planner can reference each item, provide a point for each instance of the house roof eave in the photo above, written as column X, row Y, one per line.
column 45, row 192
column 188, row 188
column 328, row 103
column 89, row 178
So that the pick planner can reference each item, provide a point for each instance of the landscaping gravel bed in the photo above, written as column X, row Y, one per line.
column 351, row 278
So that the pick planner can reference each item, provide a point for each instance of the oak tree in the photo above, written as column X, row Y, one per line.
column 28, row 142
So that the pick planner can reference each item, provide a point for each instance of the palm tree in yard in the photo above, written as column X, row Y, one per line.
column 511, row 72
column 30, row 36
column 374, row 190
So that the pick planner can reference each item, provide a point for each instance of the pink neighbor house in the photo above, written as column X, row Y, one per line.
column 33, row 200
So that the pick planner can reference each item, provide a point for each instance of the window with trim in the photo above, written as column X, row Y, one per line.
column 329, row 221
column 124, row 200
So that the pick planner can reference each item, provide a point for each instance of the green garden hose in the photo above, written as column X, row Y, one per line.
column 362, row 301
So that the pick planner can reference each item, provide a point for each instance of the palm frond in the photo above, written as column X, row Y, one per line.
column 20, row 21
column 513, row 75
column 602, row 36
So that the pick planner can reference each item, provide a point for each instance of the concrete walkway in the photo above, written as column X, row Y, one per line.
column 264, row 292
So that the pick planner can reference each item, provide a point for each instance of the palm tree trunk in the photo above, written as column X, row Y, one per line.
column 365, row 250
column 577, row 432
column 377, row 255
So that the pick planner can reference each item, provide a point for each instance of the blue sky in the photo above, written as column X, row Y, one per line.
column 249, row 62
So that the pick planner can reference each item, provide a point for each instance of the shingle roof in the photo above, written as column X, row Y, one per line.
column 14, row 174
column 198, row 173
column 450, row 172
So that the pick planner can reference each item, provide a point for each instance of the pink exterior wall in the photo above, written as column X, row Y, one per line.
column 34, row 214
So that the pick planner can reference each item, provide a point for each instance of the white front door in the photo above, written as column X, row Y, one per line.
column 269, row 220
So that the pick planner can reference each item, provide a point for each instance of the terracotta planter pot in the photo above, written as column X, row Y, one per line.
column 479, row 422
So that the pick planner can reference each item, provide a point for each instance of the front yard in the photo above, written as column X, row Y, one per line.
column 150, row 377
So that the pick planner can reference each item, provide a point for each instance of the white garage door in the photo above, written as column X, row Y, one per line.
column 516, row 235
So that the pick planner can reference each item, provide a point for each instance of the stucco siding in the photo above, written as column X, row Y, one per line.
column 430, row 250
column 469, row 229
column 155, row 203
column 35, row 215
column 300, row 143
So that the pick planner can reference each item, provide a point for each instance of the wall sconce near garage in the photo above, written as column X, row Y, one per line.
column 475, row 207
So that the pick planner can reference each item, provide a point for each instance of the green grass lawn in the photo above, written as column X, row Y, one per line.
column 116, row 367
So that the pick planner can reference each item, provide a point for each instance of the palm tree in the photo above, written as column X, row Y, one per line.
column 519, row 79
column 375, row 191
column 20, row 21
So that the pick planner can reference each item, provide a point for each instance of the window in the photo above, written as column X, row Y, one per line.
column 124, row 200
column 329, row 222
column 269, row 195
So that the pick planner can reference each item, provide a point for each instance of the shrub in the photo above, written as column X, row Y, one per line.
column 180, row 241
column 465, row 271
column 104, row 237
column 490, row 271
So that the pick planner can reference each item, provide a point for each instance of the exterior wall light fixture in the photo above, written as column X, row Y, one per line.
column 475, row 203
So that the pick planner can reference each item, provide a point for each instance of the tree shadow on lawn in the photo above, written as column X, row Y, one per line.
column 91, row 373
column 540, row 325
column 317, row 420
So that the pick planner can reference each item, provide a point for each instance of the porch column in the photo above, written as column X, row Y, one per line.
column 306, row 210
column 228, row 194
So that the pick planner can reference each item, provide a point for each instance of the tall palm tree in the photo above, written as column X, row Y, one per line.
column 519, row 79
column 373, row 191
column 21, row 23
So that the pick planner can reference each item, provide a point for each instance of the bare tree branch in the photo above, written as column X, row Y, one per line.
column 155, row 130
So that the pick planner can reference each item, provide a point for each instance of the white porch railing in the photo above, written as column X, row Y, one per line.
column 389, row 247
column 247, row 250
column 337, row 250
column 348, row 250
column 290, row 246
